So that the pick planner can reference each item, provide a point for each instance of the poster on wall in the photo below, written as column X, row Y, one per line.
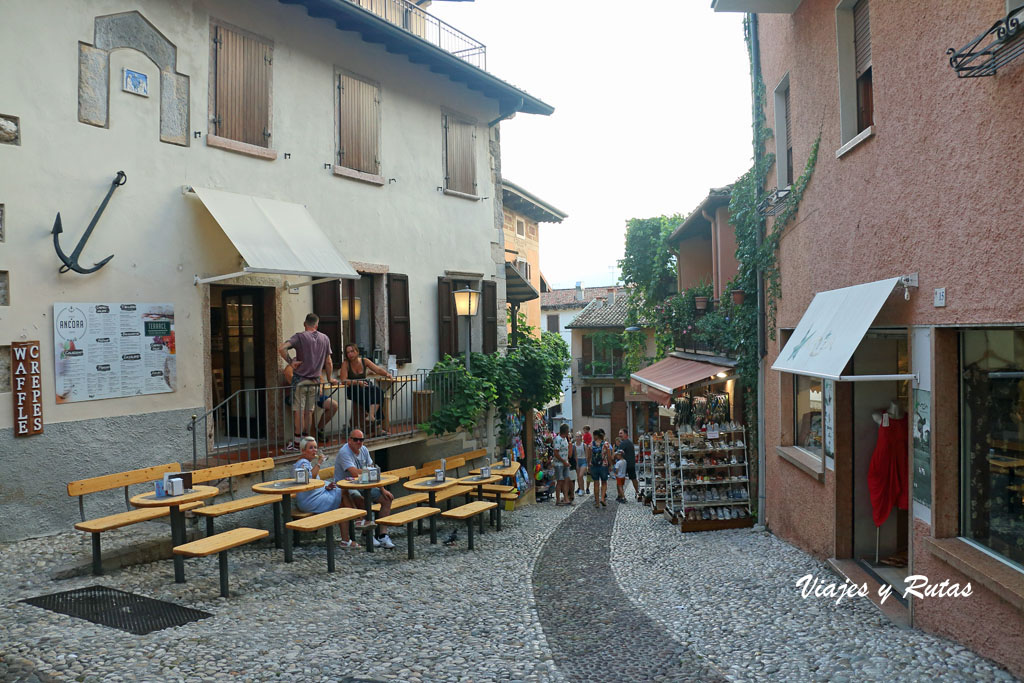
column 922, row 432
column 27, row 388
column 828, row 393
column 113, row 350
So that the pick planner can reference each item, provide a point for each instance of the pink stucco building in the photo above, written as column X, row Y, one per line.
column 902, row 300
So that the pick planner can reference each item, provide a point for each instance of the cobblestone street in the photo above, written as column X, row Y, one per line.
column 562, row 594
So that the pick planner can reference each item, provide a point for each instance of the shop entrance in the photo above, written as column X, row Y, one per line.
column 880, row 432
column 237, row 359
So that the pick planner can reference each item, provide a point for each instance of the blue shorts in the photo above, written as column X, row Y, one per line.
column 598, row 473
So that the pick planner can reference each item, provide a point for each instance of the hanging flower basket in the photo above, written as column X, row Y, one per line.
column 737, row 296
column 701, row 302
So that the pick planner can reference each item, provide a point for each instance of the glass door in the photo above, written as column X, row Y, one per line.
column 243, row 362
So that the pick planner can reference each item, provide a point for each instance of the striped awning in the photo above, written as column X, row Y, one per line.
column 517, row 288
column 661, row 380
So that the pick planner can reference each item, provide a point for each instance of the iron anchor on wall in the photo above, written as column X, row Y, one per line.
column 71, row 262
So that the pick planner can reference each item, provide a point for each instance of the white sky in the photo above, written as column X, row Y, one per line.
column 652, row 109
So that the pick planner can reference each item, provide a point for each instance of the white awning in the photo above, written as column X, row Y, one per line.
column 273, row 236
column 832, row 328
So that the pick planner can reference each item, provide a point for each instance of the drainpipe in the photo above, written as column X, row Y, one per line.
column 762, row 350
column 714, row 254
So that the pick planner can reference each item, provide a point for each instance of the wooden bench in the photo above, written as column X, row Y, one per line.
column 468, row 512
column 97, row 526
column 327, row 520
column 238, row 469
column 221, row 544
column 498, row 493
column 408, row 518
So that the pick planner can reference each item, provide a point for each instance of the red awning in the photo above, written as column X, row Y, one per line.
column 666, row 376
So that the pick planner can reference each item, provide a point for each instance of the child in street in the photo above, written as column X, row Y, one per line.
column 620, row 477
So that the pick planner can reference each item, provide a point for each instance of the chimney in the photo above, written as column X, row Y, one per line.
column 611, row 296
column 579, row 291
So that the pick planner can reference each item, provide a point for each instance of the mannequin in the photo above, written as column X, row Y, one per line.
column 887, row 472
column 894, row 411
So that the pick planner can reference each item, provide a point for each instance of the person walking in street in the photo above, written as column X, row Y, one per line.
column 620, row 477
column 600, row 459
column 312, row 357
column 560, row 448
column 579, row 450
column 629, row 452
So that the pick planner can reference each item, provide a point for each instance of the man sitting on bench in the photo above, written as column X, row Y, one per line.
column 351, row 460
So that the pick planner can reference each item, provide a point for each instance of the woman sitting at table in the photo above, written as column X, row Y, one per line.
column 323, row 499
column 367, row 396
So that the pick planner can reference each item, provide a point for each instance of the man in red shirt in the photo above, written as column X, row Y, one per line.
column 312, row 356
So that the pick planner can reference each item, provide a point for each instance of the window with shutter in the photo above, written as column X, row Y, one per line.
column 241, row 71
column 586, row 406
column 789, row 141
column 459, row 154
column 521, row 227
column 447, row 325
column 399, row 323
column 552, row 323
column 327, row 305
column 784, row 134
column 358, row 123
column 489, row 295
column 862, row 61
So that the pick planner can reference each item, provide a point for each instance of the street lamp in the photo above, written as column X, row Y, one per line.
column 466, row 302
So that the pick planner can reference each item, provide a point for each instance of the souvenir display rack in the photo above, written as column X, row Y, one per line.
column 700, row 479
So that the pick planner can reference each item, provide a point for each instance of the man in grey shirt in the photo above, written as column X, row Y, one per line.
column 629, row 454
column 312, row 356
column 351, row 460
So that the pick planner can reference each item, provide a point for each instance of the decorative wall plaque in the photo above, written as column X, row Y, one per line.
column 27, row 388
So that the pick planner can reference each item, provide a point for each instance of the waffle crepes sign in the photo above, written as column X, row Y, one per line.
column 27, row 388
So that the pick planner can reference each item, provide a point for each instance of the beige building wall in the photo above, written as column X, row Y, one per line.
column 525, row 247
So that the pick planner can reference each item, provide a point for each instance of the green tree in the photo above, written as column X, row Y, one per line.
column 648, row 264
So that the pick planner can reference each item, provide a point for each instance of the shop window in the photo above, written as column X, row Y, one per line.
column 241, row 69
column 602, row 398
column 358, row 124
column 807, row 427
column 992, row 424
column 459, row 155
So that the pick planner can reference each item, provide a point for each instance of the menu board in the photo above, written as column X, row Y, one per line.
column 113, row 350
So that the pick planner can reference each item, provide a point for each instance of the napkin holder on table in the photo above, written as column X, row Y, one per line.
column 438, row 475
column 175, row 486
column 302, row 476
column 485, row 471
column 374, row 473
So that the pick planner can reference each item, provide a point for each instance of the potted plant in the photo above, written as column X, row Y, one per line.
column 737, row 296
column 701, row 302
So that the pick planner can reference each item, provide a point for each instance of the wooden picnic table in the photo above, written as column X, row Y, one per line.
column 151, row 500
column 478, row 480
column 431, row 486
column 355, row 485
column 287, row 488
column 497, row 468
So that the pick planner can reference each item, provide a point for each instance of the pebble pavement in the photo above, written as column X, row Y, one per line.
column 731, row 596
column 689, row 607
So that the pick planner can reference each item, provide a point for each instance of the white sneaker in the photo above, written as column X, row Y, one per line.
column 376, row 542
column 385, row 542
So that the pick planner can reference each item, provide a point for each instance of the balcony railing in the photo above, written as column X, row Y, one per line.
column 258, row 423
column 613, row 368
column 428, row 27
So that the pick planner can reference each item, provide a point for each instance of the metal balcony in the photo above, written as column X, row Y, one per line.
column 428, row 27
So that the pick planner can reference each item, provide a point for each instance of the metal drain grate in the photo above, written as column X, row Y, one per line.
column 117, row 609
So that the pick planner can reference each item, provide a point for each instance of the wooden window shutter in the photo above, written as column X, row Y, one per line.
column 552, row 323
column 242, row 87
column 446, row 321
column 490, row 319
column 588, row 350
column 327, row 305
column 789, row 123
column 459, row 146
column 586, row 407
column 399, row 322
column 619, row 394
column 861, row 37
column 358, row 124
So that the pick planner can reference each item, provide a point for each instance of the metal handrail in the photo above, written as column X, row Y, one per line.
column 259, row 422
column 428, row 27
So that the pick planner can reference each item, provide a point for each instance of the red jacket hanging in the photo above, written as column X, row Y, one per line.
column 887, row 473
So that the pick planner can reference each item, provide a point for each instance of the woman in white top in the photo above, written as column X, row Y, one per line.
column 580, row 451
